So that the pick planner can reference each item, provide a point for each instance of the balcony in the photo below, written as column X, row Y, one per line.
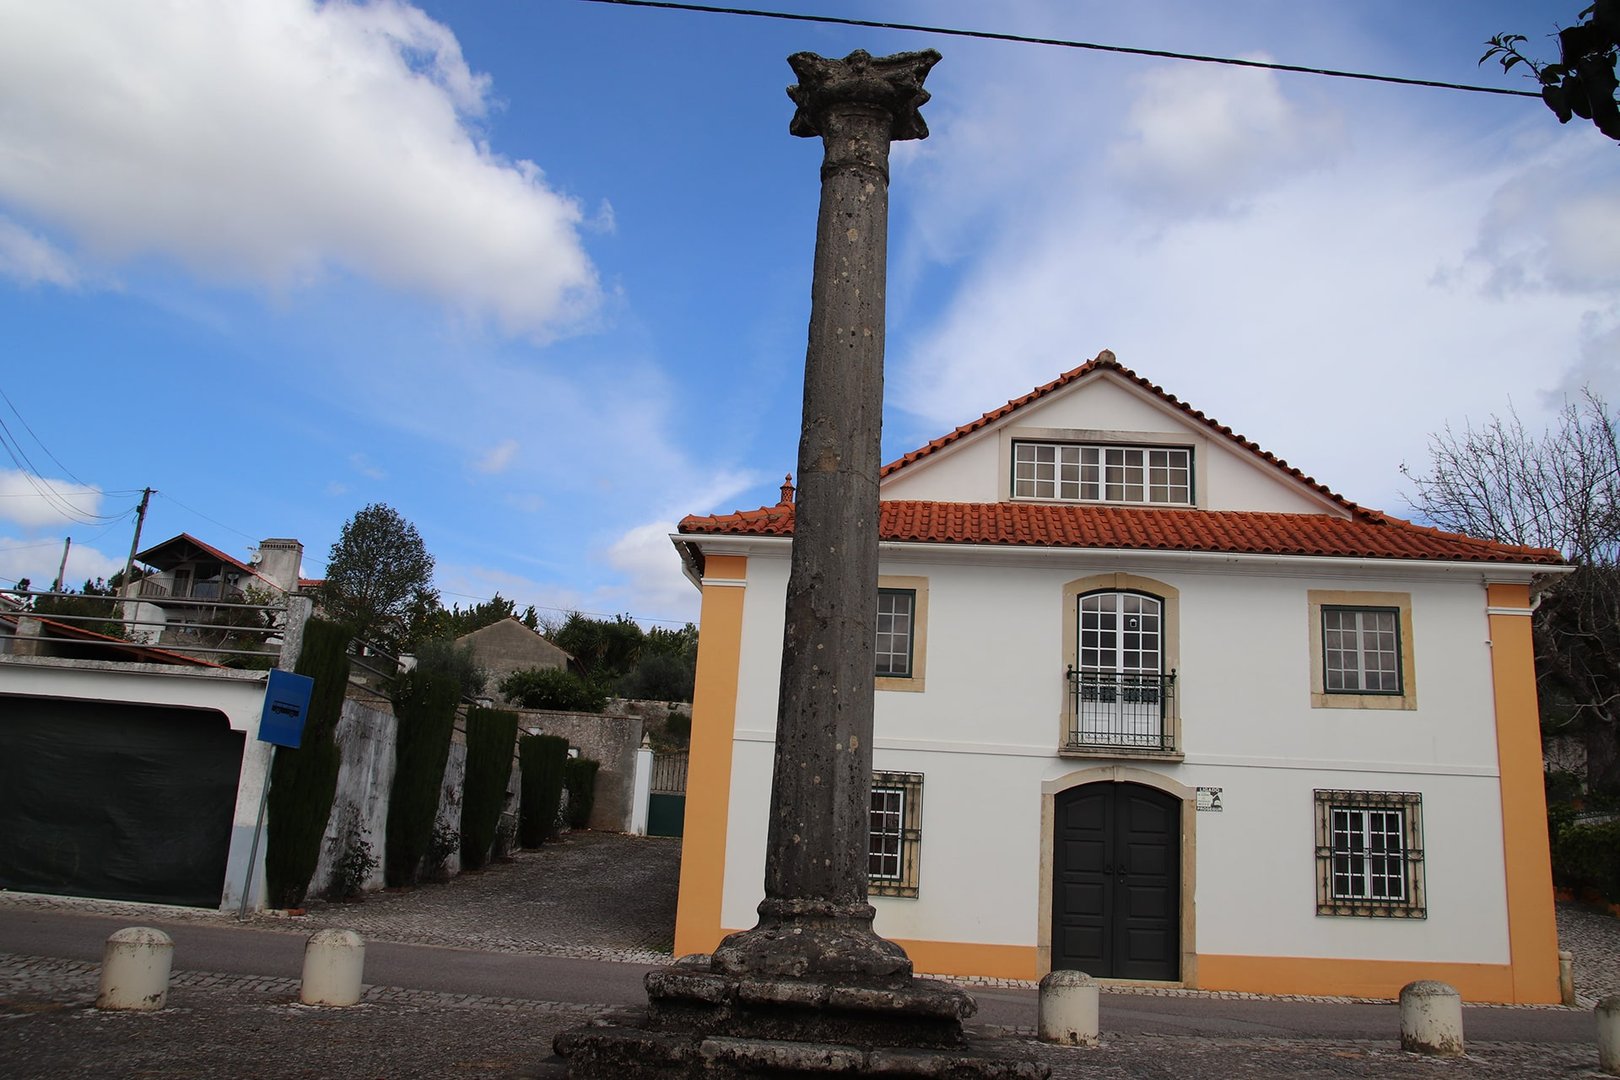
column 1117, row 713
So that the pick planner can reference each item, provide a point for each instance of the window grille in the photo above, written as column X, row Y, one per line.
column 1369, row 854
column 1361, row 650
column 896, row 615
column 895, row 834
column 1078, row 472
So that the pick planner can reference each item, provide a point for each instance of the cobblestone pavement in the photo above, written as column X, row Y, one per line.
column 591, row 895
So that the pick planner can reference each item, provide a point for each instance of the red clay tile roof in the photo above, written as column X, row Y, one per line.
column 1367, row 535
column 1105, row 361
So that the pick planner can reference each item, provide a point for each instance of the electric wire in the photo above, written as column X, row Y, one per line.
column 205, row 517
column 55, row 499
column 989, row 35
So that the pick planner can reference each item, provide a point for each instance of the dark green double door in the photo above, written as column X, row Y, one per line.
column 1116, row 882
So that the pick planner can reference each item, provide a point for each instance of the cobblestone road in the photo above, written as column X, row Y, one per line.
column 592, row 895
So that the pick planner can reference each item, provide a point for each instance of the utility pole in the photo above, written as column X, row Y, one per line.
column 61, row 570
column 134, row 546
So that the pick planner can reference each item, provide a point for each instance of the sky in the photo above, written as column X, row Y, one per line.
column 536, row 273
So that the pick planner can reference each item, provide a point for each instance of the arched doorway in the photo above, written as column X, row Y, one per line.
column 1116, row 882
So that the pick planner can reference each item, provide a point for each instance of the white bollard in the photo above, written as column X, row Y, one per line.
column 333, row 963
column 135, row 969
column 1608, row 1022
column 1566, row 978
column 1068, row 1009
column 1431, row 1019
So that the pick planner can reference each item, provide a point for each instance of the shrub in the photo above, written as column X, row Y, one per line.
column 659, row 677
column 354, row 864
column 543, row 758
column 304, row 781
column 425, row 703
column 491, row 734
column 552, row 688
column 1587, row 855
column 580, row 776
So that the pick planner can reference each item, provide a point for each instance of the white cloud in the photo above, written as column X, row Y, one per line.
column 1202, row 139
column 271, row 141
column 34, row 503
column 38, row 560
column 1555, row 226
column 29, row 259
column 498, row 458
column 361, row 464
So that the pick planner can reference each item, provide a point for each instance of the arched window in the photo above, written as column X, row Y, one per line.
column 1120, row 659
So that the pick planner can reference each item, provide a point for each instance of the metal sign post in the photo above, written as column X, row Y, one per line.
column 286, row 700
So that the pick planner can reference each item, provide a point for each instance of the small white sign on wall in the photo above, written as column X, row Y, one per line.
column 1209, row 800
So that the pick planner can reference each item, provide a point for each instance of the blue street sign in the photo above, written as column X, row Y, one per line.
column 286, row 700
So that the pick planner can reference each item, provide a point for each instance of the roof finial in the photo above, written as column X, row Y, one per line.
column 787, row 491
column 1106, row 357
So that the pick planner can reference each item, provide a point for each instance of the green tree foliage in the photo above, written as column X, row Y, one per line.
column 304, row 781
column 579, row 776
column 620, row 658
column 1583, row 82
column 425, row 702
column 379, row 578
column 456, row 621
column 1559, row 489
column 491, row 739
column 553, row 688
column 543, row 758
column 89, row 609
column 445, row 656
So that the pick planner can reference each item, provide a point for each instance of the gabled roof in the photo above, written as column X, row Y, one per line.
column 1367, row 535
column 1105, row 361
column 185, row 547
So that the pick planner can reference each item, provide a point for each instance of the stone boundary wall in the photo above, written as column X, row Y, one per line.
column 609, row 739
column 366, row 733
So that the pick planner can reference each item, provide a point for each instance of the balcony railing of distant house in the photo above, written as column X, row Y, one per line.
column 207, row 629
column 1122, row 710
column 196, row 590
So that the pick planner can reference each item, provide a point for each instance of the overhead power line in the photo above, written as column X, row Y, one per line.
column 989, row 35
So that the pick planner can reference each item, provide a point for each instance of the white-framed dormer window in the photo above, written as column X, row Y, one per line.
column 1103, row 472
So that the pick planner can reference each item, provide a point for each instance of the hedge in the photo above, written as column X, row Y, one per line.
column 543, row 758
column 425, row 707
column 303, row 782
column 491, row 734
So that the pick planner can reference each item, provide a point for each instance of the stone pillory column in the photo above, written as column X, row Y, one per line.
column 812, row 989
column 815, row 920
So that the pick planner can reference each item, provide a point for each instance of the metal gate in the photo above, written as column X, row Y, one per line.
column 666, row 809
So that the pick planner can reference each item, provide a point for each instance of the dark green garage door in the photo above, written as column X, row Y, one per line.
column 124, row 802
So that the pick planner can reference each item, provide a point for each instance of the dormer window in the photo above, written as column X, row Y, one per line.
column 1102, row 472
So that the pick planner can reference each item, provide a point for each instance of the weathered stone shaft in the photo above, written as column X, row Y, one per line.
column 823, row 768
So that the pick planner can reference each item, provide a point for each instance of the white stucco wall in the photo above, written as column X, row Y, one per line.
column 985, row 735
column 978, row 468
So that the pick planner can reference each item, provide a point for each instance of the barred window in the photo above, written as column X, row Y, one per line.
column 1369, row 854
column 895, row 834
column 1361, row 650
column 896, row 611
column 1102, row 473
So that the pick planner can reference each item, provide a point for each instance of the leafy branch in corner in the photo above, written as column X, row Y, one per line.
column 1583, row 82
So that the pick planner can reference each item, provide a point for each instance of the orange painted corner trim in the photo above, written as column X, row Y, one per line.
column 708, row 777
column 1328, row 977
column 1532, row 919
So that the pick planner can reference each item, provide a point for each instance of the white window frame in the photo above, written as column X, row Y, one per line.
column 894, row 834
column 1361, row 650
column 892, row 641
column 1369, row 854
column 1126, row 474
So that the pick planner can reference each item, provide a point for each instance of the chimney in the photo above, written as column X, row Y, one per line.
column 278, row 562
column 787, row 491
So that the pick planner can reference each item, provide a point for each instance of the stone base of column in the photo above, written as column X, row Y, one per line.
column 701, row 1022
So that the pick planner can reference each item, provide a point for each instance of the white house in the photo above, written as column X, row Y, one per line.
column 1154, row 705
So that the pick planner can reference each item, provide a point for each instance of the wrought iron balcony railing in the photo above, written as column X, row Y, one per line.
column 1128, row 710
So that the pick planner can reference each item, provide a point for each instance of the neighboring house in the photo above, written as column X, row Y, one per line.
column 1154, row 705
column 504, row 647
column 183, row 574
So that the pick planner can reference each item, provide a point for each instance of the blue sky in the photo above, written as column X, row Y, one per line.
column 536, row 273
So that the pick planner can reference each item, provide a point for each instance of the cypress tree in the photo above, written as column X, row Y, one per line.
column 542, row 758
column 303, row 782
column 491, row 735
column 580, row 776
column 425, row 708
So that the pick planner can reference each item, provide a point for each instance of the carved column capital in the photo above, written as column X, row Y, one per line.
column 892, row 84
